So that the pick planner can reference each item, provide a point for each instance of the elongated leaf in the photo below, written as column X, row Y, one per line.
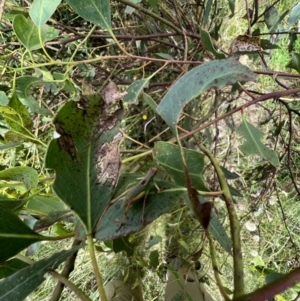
column 14, row 235
column 94, row 11
column 168, row 156
column 294, row 15
column 49, row 220
column 41, row 11
column 10, row 267
column 24, row 174
column 253, row 144
column 86, row 156
column 232, row 7
column 199, row 79
column 215, row 227
column 294, row 62
column 42, row 205
column 8, row 145
column 206, row 40
column 138, row 216
column 135, row 89
column 21, row 284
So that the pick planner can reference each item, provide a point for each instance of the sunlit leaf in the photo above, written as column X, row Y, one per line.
column 24, row 174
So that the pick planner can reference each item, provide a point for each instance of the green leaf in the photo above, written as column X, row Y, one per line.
column 14, row 236
column 295, row 62
column 23, row 83
column 27, row 33
column 3, row 99
column 21, row 284
column 24, row 174
column 135, row 89
column 253, row 144
column 231, row 4
column 94, row 11
column 154, row 259
column 229, row 175
column 7, row 110
column 19, row 120
column 123, row 244
column 138, row 216
column 218, row 232
column 49, row 220
column 271, row 18
column 43, row 205
column 294, row 15
column 25, row 119
column 8, row 145
column 86, row 156
column 150, row 102
column 205, row 39
column 129, row 10
column 168, row 156
column 199, row 79
column 154, row 240
column 10, row 267
column 164, row 56
column 207, row 11
column 41, row 10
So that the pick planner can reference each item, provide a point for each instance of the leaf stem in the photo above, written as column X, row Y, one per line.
column 215, row 267
column 96, row 268
column 82, row 296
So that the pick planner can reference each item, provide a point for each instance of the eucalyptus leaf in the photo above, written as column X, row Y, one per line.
column 10, row 267
column 135, row 89
column 142, row 212
column 206, row 40
column 294, row 62
column 168, row 156
column 253, row 144
column 14, row 236
column 43, row 205
column 24, row 174
column 294, row 15
column 94, row 11
column 198, row 80
column 41, row 10
column 21, row 284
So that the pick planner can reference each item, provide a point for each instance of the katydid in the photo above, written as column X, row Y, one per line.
column 135, row 193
